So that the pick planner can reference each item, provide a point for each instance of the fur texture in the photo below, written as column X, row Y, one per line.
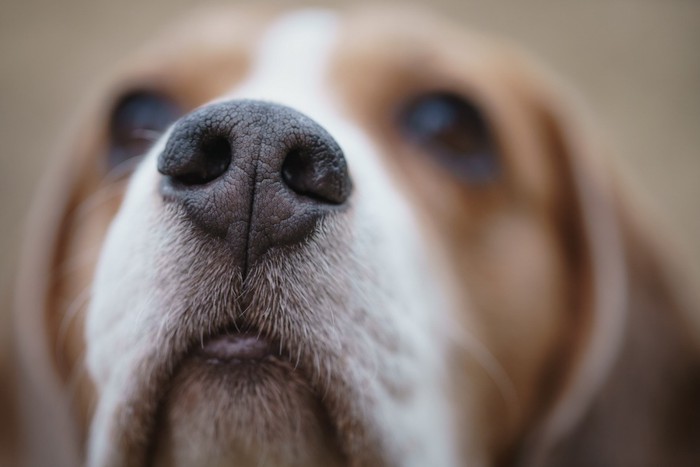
column 528, row 322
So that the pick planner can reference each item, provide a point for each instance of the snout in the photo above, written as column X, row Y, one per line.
column 275, row 309
column 254, row 174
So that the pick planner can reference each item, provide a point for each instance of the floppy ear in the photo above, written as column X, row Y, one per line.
column 48, row 393
column 633, row 395
column 647, row 411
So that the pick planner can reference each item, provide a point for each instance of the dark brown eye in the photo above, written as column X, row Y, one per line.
column 136, row 122
column 454, row 132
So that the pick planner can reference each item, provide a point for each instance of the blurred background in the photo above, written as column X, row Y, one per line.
column 635, row 62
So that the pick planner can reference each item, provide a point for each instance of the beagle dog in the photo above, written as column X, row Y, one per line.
column 368, row 238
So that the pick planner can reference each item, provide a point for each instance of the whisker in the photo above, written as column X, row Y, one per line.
column 124, row 168
column 74, row 376
column 145, row 133
column 114, row 187
column 113, row 184
column 97, row 199
column 493, row 368
column 75, row 262
column 68, row 318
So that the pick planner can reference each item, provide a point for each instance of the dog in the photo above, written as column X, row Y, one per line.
column 369, row 238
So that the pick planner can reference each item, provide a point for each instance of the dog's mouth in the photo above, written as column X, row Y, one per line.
column 234, row 370
column 239, row 348
column 239, row 395
column 235, row 361
column 236, row 357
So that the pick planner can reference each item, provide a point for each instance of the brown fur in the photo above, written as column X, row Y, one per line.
column 648, row 412
column 522, row 245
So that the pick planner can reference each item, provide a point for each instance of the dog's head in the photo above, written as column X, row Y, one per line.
column 311, row 239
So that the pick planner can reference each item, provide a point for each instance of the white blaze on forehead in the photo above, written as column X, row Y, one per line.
column 292, row 68
column 291, row 62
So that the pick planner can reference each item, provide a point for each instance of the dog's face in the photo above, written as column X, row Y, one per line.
column 362, row 241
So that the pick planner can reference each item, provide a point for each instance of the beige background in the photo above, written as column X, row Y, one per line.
column 636, row 62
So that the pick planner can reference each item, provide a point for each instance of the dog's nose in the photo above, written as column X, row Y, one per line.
column 255, row 174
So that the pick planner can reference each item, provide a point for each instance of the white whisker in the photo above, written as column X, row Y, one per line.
column 148, row 135
column 493, row 368
column 71, row 312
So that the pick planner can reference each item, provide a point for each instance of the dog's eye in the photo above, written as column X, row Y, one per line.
column 136, row 122
column 454, row 132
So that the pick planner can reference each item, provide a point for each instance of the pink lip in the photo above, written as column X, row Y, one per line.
column 235, row 347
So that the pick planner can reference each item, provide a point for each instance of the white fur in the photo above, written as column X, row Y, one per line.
column 292, row 69
column 125, row 317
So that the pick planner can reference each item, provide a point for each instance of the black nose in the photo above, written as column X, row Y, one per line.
column 255, row 174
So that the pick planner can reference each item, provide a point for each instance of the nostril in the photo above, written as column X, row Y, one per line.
column 211, row 159
column 316, row 176
column 297, row 172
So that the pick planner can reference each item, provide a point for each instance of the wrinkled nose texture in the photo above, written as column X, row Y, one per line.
column 254, row 174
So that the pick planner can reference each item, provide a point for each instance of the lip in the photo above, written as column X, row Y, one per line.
column 238, row 348
column 234, row 353
column 245, row 385
column 242, row 365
